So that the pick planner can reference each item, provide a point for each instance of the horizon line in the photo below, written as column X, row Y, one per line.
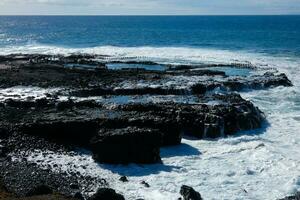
column 137, row 15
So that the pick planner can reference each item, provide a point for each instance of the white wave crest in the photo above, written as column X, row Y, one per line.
column 158, row 54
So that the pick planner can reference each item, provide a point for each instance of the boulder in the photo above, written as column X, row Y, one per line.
column 106, row 194
column 145, row 184
column 188, row 193
column 123, row 179
column 127, row 145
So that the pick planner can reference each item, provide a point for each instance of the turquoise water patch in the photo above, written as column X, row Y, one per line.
column 233, row 71
column 119, row 66
column 82, row 66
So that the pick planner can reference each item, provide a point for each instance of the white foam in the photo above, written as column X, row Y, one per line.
column 26, row 93
column 168, row 55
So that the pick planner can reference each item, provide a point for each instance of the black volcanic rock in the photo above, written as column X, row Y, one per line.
column 27, row 179
column 188, row 193
column 145, row 184
column 293, row 197
column 71, row 131
column 123, row 179
column 51, row 71
column 3, row 151
column 127, row 145
column 77, row 122
column 266, row 80
column 200, row 120
column 39, row 190
column 106, row 194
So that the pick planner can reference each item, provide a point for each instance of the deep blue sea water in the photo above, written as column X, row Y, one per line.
column 268, row 34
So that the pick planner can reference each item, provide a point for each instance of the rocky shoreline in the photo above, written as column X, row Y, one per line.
column 120, row 111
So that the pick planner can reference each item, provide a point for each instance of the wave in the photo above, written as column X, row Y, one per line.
column 158, row 54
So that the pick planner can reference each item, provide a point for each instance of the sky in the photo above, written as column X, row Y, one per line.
column 149, row 7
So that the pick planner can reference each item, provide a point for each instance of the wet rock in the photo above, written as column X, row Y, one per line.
column 106, row 194
column 23, row 179
column 145, row 184
column 293, row 197
column 18, row 104
column 87, row 103
column 212, row 131
column 128, row 91
column 277, row 80
column 63, row 105
column 171, row 119
column 3, row 151
column 202, row 88
column 123, row 179
column 4, row 131
column 74, row 186
column 258, row 82
column 188, row 193
column 161, row 117
column 233, row 114
column 137, row 62
column 128, row 145
column 50, row 71
column 71, row 131
column 39, row 190
column 78, row 196
column 43, row 102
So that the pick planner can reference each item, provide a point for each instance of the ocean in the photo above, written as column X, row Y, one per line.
column 266, row 34
column 265, row 163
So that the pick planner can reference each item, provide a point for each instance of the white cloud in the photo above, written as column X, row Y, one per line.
column 150, row 7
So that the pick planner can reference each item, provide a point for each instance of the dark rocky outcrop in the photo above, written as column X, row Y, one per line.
column 258, row 82
column 106, row 194
column 293, row 197
column 51, row 71
column 27, row 179
column 72, row 131
column 123, row 179
column 201, row 120
column 237, row 84
column 188, row 193
column 145, row 184
column 39, row 190
column 127, row 145
column 133, row 127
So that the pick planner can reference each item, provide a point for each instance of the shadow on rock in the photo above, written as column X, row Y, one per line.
column 265, row 125
column 258, row 131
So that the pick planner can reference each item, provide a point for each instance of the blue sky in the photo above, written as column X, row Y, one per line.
column 149, row 7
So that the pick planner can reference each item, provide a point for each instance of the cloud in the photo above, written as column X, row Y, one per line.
column 205, row 7
column 48, row 2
